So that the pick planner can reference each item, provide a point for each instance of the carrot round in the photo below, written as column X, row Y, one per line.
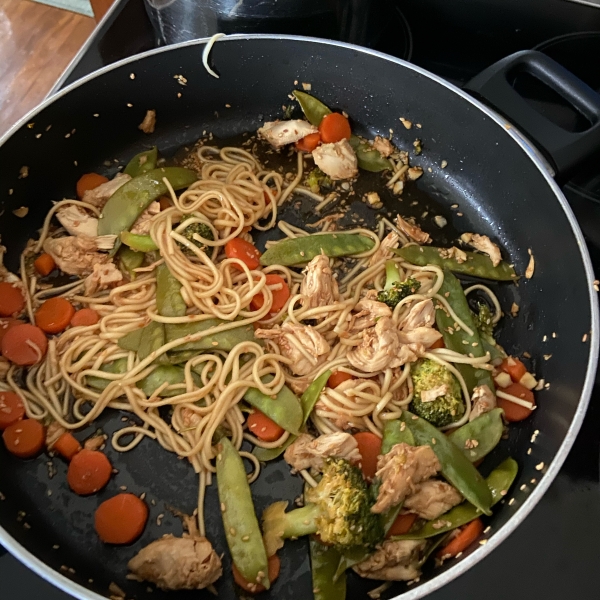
column 121, row 519
column 514, row 367
column 12, row 300
column 24, row 439
column 280, row 296
column 515, row 412
column 402, row 524
column 369, row 446
column 88, row 182
column 334, row 127
column 263, row 427
column 274, row 566
column 67, row 445
column 338, row 377
column 85, row 317
column 24, row 345
column 89, row 471
column 44, row 264
column 244, row 251
column 54, row 315
column 465, row 537
column 6, row 324
column 11, row 409
column 308, row 143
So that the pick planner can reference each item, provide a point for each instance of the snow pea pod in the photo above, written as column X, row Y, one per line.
column 295, row 251
column 395, row 432
column 129, row 260
column 165, row 374
column 142, row 162
column 314, row 110
column 145, row 340
column 477, row 265
column 455, row 466
column 456, row 338
column 239, row 519
column 485, row 431
column 169, row 301
column 132, row 199
column 222, row 340
column 284, row 409
column 498, row 481
column 324, row 561
column 118, row 366
column 368, row 158
column 138, row 241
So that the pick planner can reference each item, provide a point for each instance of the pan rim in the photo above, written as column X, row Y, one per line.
column 75, row 589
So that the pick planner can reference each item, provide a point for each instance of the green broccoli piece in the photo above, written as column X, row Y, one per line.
column 484, row 320
column 395, row 289
column 338, row 510
column 446, row 408
column 192, row 232
column 317, row 179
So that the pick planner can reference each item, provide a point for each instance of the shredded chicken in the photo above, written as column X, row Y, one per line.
column 149, row 122
column 420, row 338
column 306, row 452
column 54, row 431
column 142, row 225
column 100, row 195
column 432, row 498
column 421, row 314
column 173, row 563
column 96, row 442
column 393, row 561
column 400, row 470
column 336, row 160
column 414, row 232
column 102, row 277
column 434, row 393
column 303, row 345
column 77, row 221
column 366, row 314
column 319, row 287
column 383, row 146
column 5, row 274
column 384, row 252
column 460, row 256
column 282, row 133
column 483, row 400
column 483, row 244
column 75, row 255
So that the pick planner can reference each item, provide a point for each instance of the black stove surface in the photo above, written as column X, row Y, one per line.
column 553, row 554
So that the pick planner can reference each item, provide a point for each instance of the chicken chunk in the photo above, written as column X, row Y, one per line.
column 400, row 470
column 483, row 400
column 366, row 313
column 393, row 561
column 483, row 244
column 384, row 252
column 336, row 160
column 302, row 344
column 421, row 314
column 102, row 277
column 319, row 287
column 282, row 133
column 75, row 255
column 99, row 196
column 142, row 225
column 306, row 452
column 420, row 336
column 457, row 254
column 77, row 221
column 383, row 146
column 432, row 498
column 149, row 122
column 414, row 232
column 173, row 563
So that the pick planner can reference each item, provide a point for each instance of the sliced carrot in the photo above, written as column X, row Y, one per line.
column 85, row 317
column 308, row 143
column 44, row 264
column 369, row 446
column 11, row 409
column 280, row 296
column 338, row 377
column 437, row 344
column 24, row 345
column 12, row 300
column 88, row 182
column 402, row 524
column 274, row 567
column 88, row 472
column 267, row 196
column 515, row 412
column 263, row 427
column 54, row 315
column 6, row 324
column 514, row 367
column 334, row 127
column 67, row 445
column 24, row 439
column 244, row 251
column 465, row 537
column 121, row 519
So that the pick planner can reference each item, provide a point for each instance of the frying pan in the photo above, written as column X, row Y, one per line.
column 500, row 183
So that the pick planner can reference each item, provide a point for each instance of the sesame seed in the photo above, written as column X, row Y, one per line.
column 523, row 488
column 584, row 338
column 457, row 556
column 482, row 542
column 503, row 492
column 528, row 451
column 245, row 538
column 131, row 75
column 511, row 501
column 554, row 334
column 223, row 507
column 539, row 466
column 487, row 529
column 533, row 481
column 129, row 105
column 232, row 530
column 55, row 547
column 159, row 519
column 433, row 441
column 544, row 338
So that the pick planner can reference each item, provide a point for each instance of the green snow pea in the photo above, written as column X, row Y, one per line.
column 222, row 340
column 239, row 519
column 455, row 466
column 368, row 158
column 498, row 482
column 129, row 260
column 165, row 373
column 99, row 384
column 486, row 430
column 395, row 432
column 324, row 561
column 314, row 110
column 477, row 265
column 138, row 241
column 142, row 162
column 295, row 251
column 169, row 301
column 145, row 340
column 132, row 199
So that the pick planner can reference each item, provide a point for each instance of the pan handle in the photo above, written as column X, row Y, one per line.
column 565, row 149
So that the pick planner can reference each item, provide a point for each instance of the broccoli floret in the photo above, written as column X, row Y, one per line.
column 317, row 179
column 445, row 408
column 338, row 510
column 192, row 232
column 484, row 320
column 395, row 289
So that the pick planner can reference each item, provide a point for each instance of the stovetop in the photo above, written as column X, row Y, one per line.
column 553, row 554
